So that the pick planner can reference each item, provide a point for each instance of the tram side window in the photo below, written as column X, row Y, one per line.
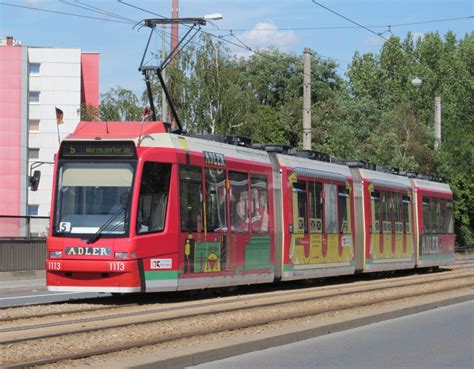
column 190, row 186
column 216, row 207
column 259, row 203
column 426, row 214
column 434, row 211
column 153, row 200
column 375, row 197
column 397, row 212
column 387, row 212
column 449, row 217
column 239, row 201
column 330, row 208
column 406, row 214
column 344, row 209
column 442, row 216
column 315, row 206
column 302, row 206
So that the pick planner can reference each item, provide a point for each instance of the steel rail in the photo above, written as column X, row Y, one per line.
column 309, row 290
column 232, row 325
column 338, row 282
column 217, row 307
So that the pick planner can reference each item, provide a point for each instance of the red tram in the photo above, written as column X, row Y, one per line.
column 138, row 209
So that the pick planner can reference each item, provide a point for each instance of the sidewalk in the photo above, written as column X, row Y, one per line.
column 32, row 280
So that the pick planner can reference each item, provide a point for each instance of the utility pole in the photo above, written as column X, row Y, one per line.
column 174, row 42
column 174, row 26
column 164, row 103
column 437, row 122
column 307, row 99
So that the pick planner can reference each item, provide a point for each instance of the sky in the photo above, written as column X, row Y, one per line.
column 290, row 25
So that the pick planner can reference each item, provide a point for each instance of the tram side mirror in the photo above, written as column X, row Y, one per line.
column 35, row 180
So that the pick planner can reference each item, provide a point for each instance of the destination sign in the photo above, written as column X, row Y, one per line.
column 214, row 158
column 103, row 149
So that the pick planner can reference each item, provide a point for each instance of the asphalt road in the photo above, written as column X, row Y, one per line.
column 437, row 339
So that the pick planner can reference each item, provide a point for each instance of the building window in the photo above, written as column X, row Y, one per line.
column 34, row 69
column 34, row 97
column 33, row 125
column 33, row 153
column 33, row 209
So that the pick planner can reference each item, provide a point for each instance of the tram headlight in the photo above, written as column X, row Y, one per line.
column 121, row 255
column 55, row 254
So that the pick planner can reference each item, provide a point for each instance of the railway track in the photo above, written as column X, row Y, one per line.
column 109, row 304
column 66, row 316
column 163, row 325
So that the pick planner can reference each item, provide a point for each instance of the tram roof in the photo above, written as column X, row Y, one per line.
column 431, row 186
column 314, row 168
column 115, row 130
column 385, row 179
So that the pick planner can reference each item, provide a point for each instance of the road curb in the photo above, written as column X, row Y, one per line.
column 202, row 353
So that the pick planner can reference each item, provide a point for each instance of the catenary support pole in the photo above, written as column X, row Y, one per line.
column 437, row 122
column 164, row 104
column 307, row 99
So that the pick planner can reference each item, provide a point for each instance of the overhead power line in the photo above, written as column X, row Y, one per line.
column 64, row 13
column 345, row 27
column 349, row 20
column 368, row 29
column 94, row 9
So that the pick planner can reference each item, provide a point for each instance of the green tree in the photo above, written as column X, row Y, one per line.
column 89, row 113
column 404, row 135
column 119, row 104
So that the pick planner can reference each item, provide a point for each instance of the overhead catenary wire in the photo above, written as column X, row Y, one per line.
column 349, row 20
column 221, row 37
column 379, row 34
column 64, row 13
column 346, row 27
column 91, row 8
column 241, row 45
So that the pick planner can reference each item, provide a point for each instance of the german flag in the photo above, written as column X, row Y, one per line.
column 59, row 116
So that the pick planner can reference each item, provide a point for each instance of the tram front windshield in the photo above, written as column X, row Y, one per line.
column 93, row 197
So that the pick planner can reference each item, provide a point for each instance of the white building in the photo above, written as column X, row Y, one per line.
column 42, row 79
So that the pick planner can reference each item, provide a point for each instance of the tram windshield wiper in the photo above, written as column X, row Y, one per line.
column 97, row 234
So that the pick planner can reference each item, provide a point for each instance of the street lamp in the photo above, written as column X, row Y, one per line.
column 417, row 82
column 213, row 17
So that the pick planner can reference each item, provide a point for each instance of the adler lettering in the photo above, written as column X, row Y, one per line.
column 88, row 251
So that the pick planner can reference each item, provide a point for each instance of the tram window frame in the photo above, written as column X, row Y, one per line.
column 425, row 205
column 343, row 209
column 397, row 212
column 300, row 187
column 387, row 210
column 406, row 205
column 442, row 227
column 239, row 201
column 194, row 182
column 216, row 207
column 434, row 211
column 153, row 220
column 259, row 219
column 450, row 217
column 315, row 190
column 376, row 197
column 331, row 225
